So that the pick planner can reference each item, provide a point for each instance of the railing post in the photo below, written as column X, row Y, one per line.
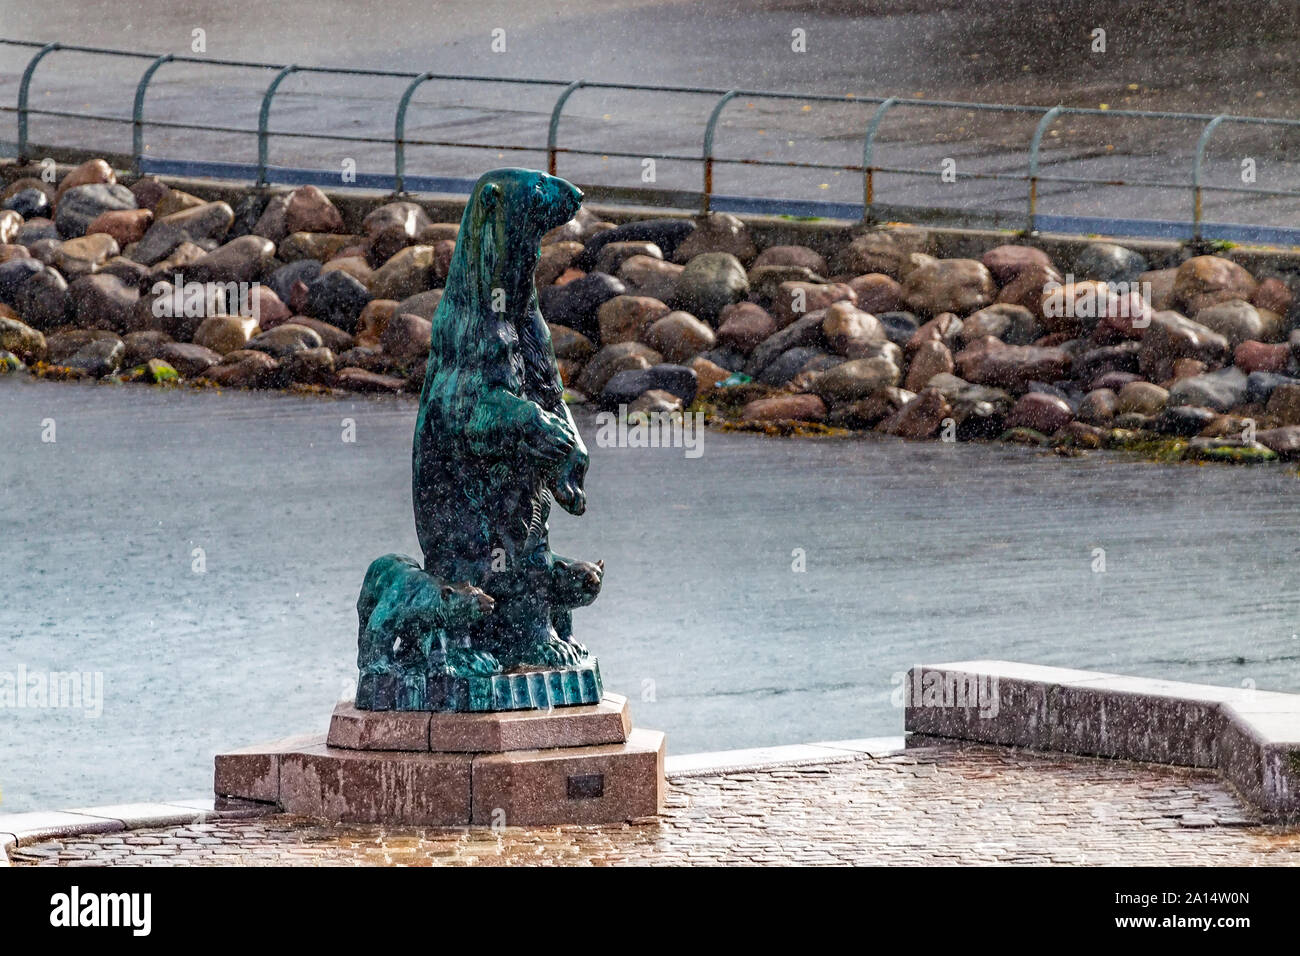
column 868, row 155
column 399, row 134
column 137, row 113
column 1034, row 145
column 263, row 117
column 708, row 148
column 24, row 87
column 1196, row 174
column 553, row 131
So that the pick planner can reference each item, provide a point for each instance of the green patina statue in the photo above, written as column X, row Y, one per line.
column 486, row 623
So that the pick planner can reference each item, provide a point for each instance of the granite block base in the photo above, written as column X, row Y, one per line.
column 582, row 764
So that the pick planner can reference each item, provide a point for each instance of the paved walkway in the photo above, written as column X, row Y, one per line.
column 941, row 805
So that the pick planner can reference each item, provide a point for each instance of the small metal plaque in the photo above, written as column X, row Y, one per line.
column 585, row 786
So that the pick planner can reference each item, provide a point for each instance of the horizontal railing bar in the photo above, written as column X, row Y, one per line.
column 65, row 114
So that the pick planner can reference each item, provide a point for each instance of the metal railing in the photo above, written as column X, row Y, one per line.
column 870, row 169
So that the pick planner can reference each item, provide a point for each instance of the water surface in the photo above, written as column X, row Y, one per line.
column 913, row 553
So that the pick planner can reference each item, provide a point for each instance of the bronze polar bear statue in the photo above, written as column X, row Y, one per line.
column 494, row 443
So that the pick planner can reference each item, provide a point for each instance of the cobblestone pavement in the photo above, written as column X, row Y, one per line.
column 942, row 805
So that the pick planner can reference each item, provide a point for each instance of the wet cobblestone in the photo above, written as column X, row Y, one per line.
column 937, row 806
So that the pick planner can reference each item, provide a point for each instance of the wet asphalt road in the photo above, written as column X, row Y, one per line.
column 1203, row 57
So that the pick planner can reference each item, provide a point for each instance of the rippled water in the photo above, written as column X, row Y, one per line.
column 914, row 553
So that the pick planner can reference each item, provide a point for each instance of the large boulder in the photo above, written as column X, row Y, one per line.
column 309, row 366
column 991, row 362
column 124, row 225
column 225, row 333
column 614, row 254
column 337, row 298
column 919, row 418
column 1170, row 337
column 1006, row 263
column 807, row 331
column 1284, row 403
column 800, row 256
column 28, row 203
column 623, row 388
column 795, row 299
column 627, row 318
column 1251, row 356
column 679, row 336
column 877, row 293
column 803, row 408
column 959, row 286
column 744, row 326
column 246, row 369
column 1142, row 398
column 1221, row 390
column 245, row 259
column 855, row 380
column 200, row 224
column 90, row 172
column 408, row 217
column 1107, row 262
column 886, row 250
column 412, row 270
column 646, row 275
column 793, row 362
column 284, row 339
column 43, row 300
column 190, row 360
column 1040, row 411
column 308, row 209
column 930, row 359
column 13, row 274
column 717, row 232
column 407, row 338
column 1203, row 281
column 576, row 304
column 81, row 205
column 321, row 246
column 1237, row 321
column 611, row 360
column 103, row 302
column 667, row 234
column 709, row 283
column 847, row 329
column 101, row 357
column 1013, row 324
column 22, row 340
column 554, row 260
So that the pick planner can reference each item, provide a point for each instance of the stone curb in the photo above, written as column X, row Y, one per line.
column 20, row 829
column 1251, row 738
column 768, row 758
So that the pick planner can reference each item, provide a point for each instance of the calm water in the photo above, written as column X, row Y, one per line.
column 914, row 553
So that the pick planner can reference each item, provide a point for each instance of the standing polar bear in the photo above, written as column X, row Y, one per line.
column 494, row 441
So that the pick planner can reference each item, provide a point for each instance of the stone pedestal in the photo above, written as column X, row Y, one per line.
column 583, row 764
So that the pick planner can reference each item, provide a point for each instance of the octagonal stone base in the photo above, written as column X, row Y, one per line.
column 607, row 722
column 583, row 765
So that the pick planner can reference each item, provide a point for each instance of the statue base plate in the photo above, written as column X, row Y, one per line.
column 541, row 689
column 583, row 764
